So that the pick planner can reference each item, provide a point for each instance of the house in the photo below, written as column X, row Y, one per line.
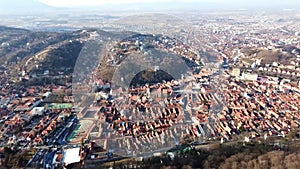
column 236, row 72
column 37, row 111
column 249, row 76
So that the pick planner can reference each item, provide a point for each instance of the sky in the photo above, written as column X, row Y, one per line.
column 37, row 6
column 68, row 3
column 82, row 3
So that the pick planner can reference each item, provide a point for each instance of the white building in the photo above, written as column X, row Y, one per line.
column 38, row 111
column 249, row 76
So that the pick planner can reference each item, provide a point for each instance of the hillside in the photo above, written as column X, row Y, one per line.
column 36, row 57
column 28, row 54
column 283, row 55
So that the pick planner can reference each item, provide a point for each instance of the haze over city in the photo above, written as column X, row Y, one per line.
column 19, row 6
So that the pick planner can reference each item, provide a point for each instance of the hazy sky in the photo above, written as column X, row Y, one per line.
column 78, row 3
column 67, row 3
column 36, row 6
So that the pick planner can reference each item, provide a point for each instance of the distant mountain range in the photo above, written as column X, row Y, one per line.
column 24, row 7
